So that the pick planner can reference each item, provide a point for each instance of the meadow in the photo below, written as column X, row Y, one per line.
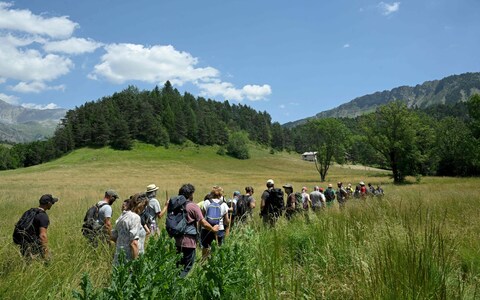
column 421, row 241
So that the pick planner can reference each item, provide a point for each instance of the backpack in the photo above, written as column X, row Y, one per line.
column 329, row 195
column 274, row 201
column 242, row 206
column 148, row 216
column 90, row 224
column 213, row 214
column 176, row 221
column 24, row 231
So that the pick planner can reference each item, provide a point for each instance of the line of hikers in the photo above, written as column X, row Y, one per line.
column 188, row 222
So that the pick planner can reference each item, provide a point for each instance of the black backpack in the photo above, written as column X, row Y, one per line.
column 274, row 201
column 176, row 222
column 24, row 231
column 90, row 225
column 243, row 206
column 329, row 195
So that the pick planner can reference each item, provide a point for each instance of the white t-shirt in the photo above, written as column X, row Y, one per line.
column 223, row 210
column 104, row 212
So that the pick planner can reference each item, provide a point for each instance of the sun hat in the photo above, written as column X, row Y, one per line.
column 362, row 183
column 47, row 198
column 151, row 188
column 288, row 186
column 330, row 185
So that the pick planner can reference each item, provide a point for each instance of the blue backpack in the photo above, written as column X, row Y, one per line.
column 213, row 213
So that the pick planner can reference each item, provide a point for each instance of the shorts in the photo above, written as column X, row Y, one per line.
column 207, row 237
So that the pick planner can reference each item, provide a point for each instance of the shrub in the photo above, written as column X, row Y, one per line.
column 238, row 145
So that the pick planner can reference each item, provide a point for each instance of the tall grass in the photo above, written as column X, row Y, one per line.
column 421, row 241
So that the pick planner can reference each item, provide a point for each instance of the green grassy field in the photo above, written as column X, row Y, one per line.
column 422, row 241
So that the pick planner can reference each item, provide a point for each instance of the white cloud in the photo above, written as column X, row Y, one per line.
column 346, row 46
column 31, row 65
column 9, row 98
column 282, row 106
column 72, row 46
column 387, row 9
column 256, row 92
column 35, row 87
column 156, row 64
column 40, row 106
column 159, row 63
column 228, row 91
column 25, row 21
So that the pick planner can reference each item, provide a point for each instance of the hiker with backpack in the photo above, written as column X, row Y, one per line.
column 97, row 222
column 342, row 195
column 181, row 223
column 245, row 205
column 232, row 210
column 30, row 232
column 272, row 204
column 329, row 195
column 216, row 213
column 129, row 233
column 294, row 202
column 363, row 190
column 306, row 201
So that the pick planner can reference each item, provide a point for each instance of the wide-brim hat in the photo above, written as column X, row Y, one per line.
column 151, row 188
column 362, row 183
column 288, row 186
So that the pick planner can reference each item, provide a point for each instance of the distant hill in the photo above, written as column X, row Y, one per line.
column 19, row 124
column 449, row 90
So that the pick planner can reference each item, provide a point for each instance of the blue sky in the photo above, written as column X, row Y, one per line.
column 290, row 58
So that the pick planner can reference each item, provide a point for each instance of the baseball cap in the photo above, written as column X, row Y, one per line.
column 111, row 193
column 48, row 198
column 236, row 193
column 270, row 181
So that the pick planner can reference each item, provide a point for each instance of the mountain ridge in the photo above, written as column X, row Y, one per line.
column 20, row 124
column 448, row 90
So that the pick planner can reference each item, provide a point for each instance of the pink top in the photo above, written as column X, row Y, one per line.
column 193, row 214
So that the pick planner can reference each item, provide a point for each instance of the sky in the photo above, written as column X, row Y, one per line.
column 292, row 59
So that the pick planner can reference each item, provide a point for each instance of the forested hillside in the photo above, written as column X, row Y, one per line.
column 442, row 139
column 159, row 117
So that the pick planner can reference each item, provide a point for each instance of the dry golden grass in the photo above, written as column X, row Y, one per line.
column 81, row 178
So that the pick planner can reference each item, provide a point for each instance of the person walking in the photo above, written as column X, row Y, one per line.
column 292, row 204
column 306, row 201
column 216, row 213
column 30, row 232
column 129, row 233
column 317, row 198
column 186, row 242
column 272, row 204
column 341, row 195
column 153, row 210
column 105, row 214
column 330, row 195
